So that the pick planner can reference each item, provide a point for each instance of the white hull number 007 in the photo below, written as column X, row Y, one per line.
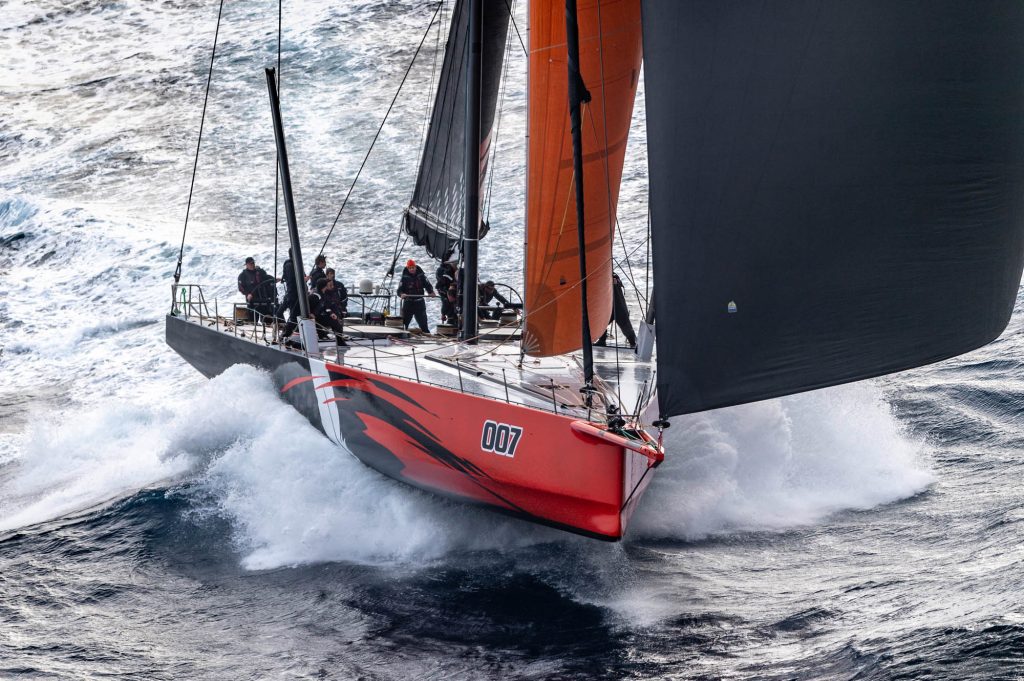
column 500, row 438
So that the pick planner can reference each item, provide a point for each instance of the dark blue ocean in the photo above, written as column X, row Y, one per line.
column 156, row 525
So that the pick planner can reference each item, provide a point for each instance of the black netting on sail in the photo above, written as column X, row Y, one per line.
column 435, row 215
column 837, row 188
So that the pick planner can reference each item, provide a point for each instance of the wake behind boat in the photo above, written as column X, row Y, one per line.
column 813, row 222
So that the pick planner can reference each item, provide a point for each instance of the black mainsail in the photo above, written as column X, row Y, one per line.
column 435, row 216
column 837, row 188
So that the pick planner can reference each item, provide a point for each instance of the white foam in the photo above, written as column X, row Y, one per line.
column 114, row 238
column 72, row 460
column 291, row 495
column 781, row 463
column 80, row 461
column 294, row 497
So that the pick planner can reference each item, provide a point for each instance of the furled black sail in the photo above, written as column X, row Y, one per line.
column 435, row 216
column 837, row 188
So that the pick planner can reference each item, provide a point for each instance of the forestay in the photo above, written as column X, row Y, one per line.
column 837, row 188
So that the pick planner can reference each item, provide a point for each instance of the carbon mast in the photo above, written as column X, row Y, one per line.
column 470, row 241
column 578, row 94
column 307, row 330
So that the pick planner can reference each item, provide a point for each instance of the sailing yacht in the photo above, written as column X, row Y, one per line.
column 836, row 192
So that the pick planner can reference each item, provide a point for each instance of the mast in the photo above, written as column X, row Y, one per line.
column 578, row 94
column 472, row 177
column 286, row 189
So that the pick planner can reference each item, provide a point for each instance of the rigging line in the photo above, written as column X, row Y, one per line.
column 570, row 197
column 607, row 172
column 398, row 257
column 451, row 87
column 640, row 300
column 612, row 210
column 427, row 109
column 195, row 164
column 647, row 267
column 512, row 16
column 465, row 56
column 394, row 255
column 554, row 299
column 381, row 127
column 497, row 124
column 277, row 176
column 571, row 287
column 617, row 227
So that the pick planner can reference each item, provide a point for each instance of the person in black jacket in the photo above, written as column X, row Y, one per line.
column 330, row 311
column 317, row 273
column 620, row 314
column 339, row 287
column 313, row 301
column 290, row 302
column 411, row 290
column 258, row 288
column 486, row 293
column 448, row 290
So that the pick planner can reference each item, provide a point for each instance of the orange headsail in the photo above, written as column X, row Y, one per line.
column 610, row 58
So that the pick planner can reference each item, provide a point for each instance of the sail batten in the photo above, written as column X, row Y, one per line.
column 836, row 188
column 436, row 213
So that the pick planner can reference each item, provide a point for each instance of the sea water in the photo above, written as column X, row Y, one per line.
column 154, row 524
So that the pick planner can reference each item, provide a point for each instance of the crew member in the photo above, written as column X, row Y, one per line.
column 620, row 314
column 317, row 273
column 257, row 287
column 290, row 302
column 411, row 290
column 447, row 289
column 313, row 303
column 487, row 293
column 331, row 309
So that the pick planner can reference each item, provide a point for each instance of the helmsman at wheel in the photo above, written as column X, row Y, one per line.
column 258, row 288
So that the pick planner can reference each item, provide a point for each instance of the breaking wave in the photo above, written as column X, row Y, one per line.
column 780, row 464
column 235, row 451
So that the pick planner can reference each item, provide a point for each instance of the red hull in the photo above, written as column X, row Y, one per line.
column 559, row 471
column 435, row 438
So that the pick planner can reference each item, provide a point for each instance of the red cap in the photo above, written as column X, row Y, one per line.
column 411, row 263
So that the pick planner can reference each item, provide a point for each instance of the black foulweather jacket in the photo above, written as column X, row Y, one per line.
column 414, row 284
column 288, row 276
column 486, row 297
column 257, row 282
column 315, row 275
column 445, row 279
column 333, row 301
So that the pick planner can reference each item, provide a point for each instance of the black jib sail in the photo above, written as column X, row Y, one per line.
column 837, row 188
column 435, row 215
